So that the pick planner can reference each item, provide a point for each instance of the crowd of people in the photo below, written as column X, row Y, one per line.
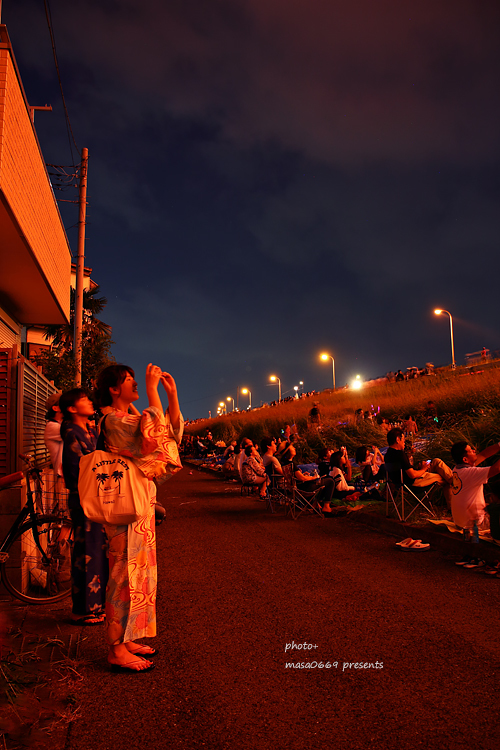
column 332, row 475
column 114, row 566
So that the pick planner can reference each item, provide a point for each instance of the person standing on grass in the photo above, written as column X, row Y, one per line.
column 89, row 564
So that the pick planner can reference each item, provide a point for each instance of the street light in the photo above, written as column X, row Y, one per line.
column 296, row 389
column 222, row 406
column 439, row 312
column 301, row 383
column 275, row 378
column 325, row 358
column 230, row 398
column 245, row 391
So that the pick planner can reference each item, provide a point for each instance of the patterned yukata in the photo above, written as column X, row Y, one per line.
column 151, row 442
column 89, row 563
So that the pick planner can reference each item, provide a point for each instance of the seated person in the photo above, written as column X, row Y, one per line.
column 230, row 449
column 241, row 456
column 371, row 464
column 341, row 473
column 269, row 460
column 324, row 457
column 467, row 499
column 308, row 482
column 433, row 471
column 253, row 471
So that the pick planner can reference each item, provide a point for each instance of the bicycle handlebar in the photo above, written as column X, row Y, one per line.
column 11, row 479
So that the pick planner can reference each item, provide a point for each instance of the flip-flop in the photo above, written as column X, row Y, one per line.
column 129, row 668
column 144, row 650
column 88, row 620
column 416, row 544
column 405, row 542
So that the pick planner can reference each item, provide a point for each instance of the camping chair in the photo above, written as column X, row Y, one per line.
column 396, row 490
column 301, row 500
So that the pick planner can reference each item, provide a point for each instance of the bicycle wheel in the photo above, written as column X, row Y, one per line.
column 24, row 572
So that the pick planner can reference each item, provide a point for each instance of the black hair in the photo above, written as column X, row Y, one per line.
column 361, row 453
column 69, row 398
column 110, row 377
column 335, row 459
column 393, row 435
column 248, row 450
column 265, row 443
column 458, row 451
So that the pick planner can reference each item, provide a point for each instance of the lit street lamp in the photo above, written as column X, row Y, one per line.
column 325, row 358
column 439, row 312
column 275, row 378
column 222, row 407
column 230, row 398
column 245, row 391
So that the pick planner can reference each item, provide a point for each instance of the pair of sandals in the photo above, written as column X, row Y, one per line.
column 410, row 543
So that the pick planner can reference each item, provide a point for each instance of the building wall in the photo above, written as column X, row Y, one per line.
column 27, row 194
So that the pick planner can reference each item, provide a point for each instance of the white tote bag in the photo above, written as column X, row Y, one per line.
column 112, row 489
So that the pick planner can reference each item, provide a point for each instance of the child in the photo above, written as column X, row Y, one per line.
column 89, row 564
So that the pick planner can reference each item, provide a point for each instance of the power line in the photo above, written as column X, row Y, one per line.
column 69, row 129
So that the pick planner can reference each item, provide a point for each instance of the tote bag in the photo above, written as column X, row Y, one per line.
column 112, row 489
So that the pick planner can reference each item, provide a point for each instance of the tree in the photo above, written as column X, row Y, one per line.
column 58, row 362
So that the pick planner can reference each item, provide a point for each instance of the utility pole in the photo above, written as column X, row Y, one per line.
column 80, row 263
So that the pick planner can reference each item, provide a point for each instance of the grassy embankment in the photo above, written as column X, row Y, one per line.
column 468, row 406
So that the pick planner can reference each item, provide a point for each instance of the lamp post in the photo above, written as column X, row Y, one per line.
column 245, row 391
column 273, row 379
column 296, row 389
column 439, row 312
column 230, row 398
column 325, row 357
column 222, row 407
column 301, row 383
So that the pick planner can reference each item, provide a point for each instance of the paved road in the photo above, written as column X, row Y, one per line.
column 237, row 585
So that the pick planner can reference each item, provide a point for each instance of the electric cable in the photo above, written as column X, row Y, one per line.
column 69, row 129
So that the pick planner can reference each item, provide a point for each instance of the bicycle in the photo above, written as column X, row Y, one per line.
column 35, row 556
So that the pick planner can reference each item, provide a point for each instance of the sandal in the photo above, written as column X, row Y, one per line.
column 416, row 544
column 130, row 667
column 144, row 650
column 88, row 620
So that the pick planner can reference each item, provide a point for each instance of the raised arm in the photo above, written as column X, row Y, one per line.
column 153, row 376
column 173, row 400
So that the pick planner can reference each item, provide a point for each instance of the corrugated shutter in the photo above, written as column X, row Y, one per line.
column 5, row 410
column 8, row 337
column 31, row 404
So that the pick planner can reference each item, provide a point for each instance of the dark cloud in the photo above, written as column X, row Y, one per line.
column 269, row 178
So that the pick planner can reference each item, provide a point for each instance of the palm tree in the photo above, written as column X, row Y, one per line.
column 117, row 476
column 101, row 478
column 61, row 336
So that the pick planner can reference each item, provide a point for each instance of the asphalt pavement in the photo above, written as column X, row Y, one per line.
column 407, row 640
column 411, row 639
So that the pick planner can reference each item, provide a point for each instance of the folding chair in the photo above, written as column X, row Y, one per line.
column 396, row 489
column 300, row 501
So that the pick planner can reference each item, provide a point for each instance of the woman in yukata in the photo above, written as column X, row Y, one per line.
column 151, row 440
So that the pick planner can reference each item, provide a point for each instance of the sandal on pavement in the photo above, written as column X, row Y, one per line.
column 88, row 620
column 416, row 544
column 129, row 668
column 405, row 542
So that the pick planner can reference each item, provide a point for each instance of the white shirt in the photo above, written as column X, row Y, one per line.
column 467, row 499
column 53, row 440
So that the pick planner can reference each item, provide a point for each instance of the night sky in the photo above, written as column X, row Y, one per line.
column 269, row 179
